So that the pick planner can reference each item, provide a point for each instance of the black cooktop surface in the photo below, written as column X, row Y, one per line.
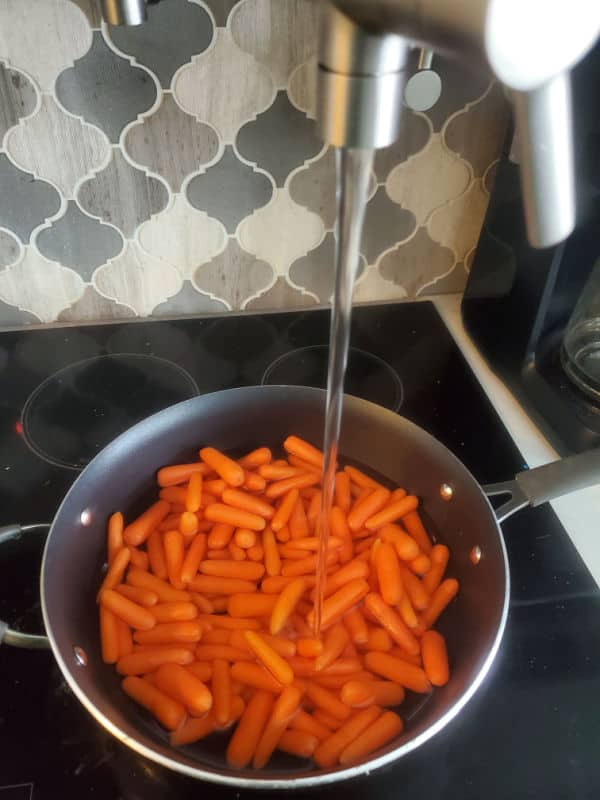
column 533, row 728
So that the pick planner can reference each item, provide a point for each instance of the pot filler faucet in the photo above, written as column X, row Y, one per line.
column 528, row 45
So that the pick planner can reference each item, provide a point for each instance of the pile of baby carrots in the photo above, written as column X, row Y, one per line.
column 206, row 608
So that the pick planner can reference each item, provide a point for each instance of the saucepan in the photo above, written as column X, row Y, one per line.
column 456, row 508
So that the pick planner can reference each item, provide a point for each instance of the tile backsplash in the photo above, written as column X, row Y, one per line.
column 174, row 168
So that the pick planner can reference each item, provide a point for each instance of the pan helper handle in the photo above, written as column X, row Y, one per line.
column 7, row 634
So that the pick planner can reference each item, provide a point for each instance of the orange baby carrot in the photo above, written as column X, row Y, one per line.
column 328, row 751
column 412, row 523
column 283, row 535
column 284, row 511
column 407, row 612
column 179, row 473
column 232, row 569
column 215, row 584
column 338, row 524
column 215, row 487
column 235, row 553
column 255, row 553
column 256, row 458
column 143, row 597
column 420, row 565
column 415, row 590
column 221, row 690
column 379, row 639
column 173, row 494
column 297, row 743
column 141, row 528
column 392, row 622
column 349, row 572
column 272, row 660
column 358, row 694
column 229, row 623
column 388, row 574
column 405, row 545
column 247, row 734
column 327, row 720
column 255, row 675
column 174, row 552
column 208, row 652
column 170, row 632
column 296, row 446
column 302, row 721
column 193, row 730
column 253, row 482
column 167, row 711
column 285, row 706
column 194, row 492
column 174, row 612
column 218, row 636
column 156, row 555
column 276, row 472
column 125, row 638
column 342, row 491
column 395, row 669
column 279, row 488
column 277, row 583
column 251, row 604
column 272, row 559
column 143, row 661
column 109, row 636
column 139, row 558
column 360, row 479
column 386, row 693
column 327, row 701
column 220, row 535
column 393, row 512
column 314, row 510
column 366, row 510
column 334, row 645
column 201, row 669
column 302, row 465
column 114, row 535
column 309, row 647
column 308, row 565
column 195, row 553
column 244, row 538
column 131, row 613
column 379, row 732
column 182, row 685
column 188, row 524
column 165, row 592
column 439, row 556
column 285, row 604
column 248, row 502
column 445, row 592
column 231, row 472
column 337, row 604
column 435, row 658
column 117, row 568
column 219, row 512
column 356, row 626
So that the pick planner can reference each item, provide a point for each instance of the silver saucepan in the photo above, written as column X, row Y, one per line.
column 457, row 510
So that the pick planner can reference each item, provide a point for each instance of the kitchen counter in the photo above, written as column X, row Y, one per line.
column 579, row 512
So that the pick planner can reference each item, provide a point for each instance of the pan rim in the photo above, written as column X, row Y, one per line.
column 270, row 783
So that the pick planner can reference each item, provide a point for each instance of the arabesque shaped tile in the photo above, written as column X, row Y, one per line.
column 279, row 139
column 43, row 48
column 11, row 316
column 56, row 146
column 302, row 87
column 25, row 202
column 316, row 270
column 229, row 190
column 428, row 180
column 281, row 296
column 92, row 307
column 182, row 236
column 415, row 132
column 385, row 224
column 221, row 10
column 91, row 9
column 188, row 302
column 297, row 231
column 314, row 187
column 105, row 89
column 224, row 87
column 122, row 195
column 458, row 224
column 137, row 280
column 460, row 85
column 279, row 33
column 171, row 143
column 17, row 98
column 372, row 288
column 233, row 276
column 79, row 241
column 453, row 282
column 477, row 134
column 417, row 262
column 10, row 248
column 173, row 33
column 39, row 286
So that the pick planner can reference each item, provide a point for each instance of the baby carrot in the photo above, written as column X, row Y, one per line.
column 114, row 535
column 309, row 647
column 283, row 535
column 308, row 724
column 182, row 685
column 131, row 613
column 386, row 693
column 116, row 569
column 360, row 479
column 420, row 565
column 302, row 481
column 170, row 632
column 407, row 612
column 439, row 557
column 302, row 465
column 195, row 553
column 139, row 558
column 284, row 511
column 285, row 604
column 231, row 472
column 143, row 661
column 173, row 494
column 210, row 652
column 306, row 566
column 141, row 528
column 251, row 604
column 285, row 706
column 254, row 482
column 235, row 553
column 232, row 569
column 167, row 711
column 327, row 701
column 188, row 524
column 174, row 552
column 221, row 690
column 412, row 523
column 366, row 510
column 334, row 645
column 143, row 597
column 314, row 510
column 349, row 572
column 248, row 502
column 220, row 535
column 377, row 734
column 405, row 545
column 174, row 612
column 201, row 669
column 255, row 675
column 244, row 538
column 395, row 669
column 327, row 720
column 379, row 639
column 272, row 660
column 109, row 636
column 388, row 574
column 296, row 446
column 329, row 750
column 169, row 523
column 248, row 732
column 337, row 604
column 215, row 584
column 358, row 694
column 179, row 473
column 392, row 622
column 194, row 492
column 297, row 743
column 255, row 553
column 219, row 636
column 275, row 472
column 435, row 658
column 165, row 592
column 125, row 638
column 393, row 512
column 445, row 592
column 342, row 491
column 256, row 458
column 277, row 583
column 272, row 559
column 356, row 626
column 229, row 623
column 415, row 589
column 239, row 518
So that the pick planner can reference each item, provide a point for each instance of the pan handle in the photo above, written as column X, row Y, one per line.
column 7, row 634
column 532, row 487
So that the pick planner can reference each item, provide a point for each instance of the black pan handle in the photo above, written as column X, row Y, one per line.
column 7, row 634
column 532, row 487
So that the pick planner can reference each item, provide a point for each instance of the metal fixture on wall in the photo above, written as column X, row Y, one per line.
column 124, row 12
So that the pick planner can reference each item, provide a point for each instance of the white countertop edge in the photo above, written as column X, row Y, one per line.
column 579, row 512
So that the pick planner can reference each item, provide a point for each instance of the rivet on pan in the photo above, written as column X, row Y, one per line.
column 85, row 517
column 80, row 656
column 446, row 491
column 475, row 555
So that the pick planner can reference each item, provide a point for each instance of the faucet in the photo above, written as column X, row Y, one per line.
column 528, row 45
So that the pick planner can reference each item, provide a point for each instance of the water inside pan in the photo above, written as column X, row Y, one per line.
column 77, row 411
column 367, row 375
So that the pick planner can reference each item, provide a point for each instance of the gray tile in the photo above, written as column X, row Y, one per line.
column 460, row 85
column 24, row 201
column 229, row 190
column 414, row 135
column 10, row 249
column 452, row 283
column 174, row 31
column 105, row 89
column 122, row 195
column 416, row 262
column 171, row 143
column 316, row 270
column 11, row 316
column 314, row 187
column 233, row 275
column 281, row 296
column 188, row 301
column 17, row 98
column 79, row 242
column 93, row 306
column 221, row 9
column 91, row 9
column 279, row 139
column 385, row 224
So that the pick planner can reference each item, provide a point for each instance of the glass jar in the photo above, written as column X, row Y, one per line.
column 581, row 344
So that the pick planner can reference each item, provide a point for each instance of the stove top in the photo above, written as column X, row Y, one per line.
column 533, row 727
